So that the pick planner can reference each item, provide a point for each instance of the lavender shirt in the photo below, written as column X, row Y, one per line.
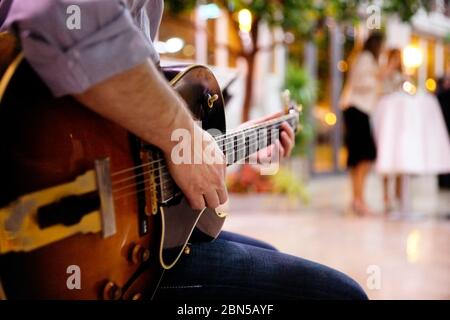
column 115, row 36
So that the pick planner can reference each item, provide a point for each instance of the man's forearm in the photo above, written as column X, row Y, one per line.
column 141, row 101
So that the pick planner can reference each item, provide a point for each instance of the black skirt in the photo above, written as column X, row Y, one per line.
column 358, row 137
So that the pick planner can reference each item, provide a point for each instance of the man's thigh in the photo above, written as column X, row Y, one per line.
column 226, row 269
column 234, row 237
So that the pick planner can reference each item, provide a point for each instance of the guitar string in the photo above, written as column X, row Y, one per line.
column 135, row 192
column 116, row 182
column 226, row 136
column 156, row 184
column 248, row 140
column 230, row 134
column 143, row 181
column 162, row 181
column 244, row 148
column 231, row 144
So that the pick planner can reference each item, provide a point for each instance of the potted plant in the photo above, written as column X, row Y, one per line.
column 303, row 91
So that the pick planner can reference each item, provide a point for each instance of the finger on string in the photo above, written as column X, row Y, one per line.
column 288, row 129
column 156, row 169
column 286, row 143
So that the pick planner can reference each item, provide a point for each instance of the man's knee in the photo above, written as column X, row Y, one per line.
column 331, row 284
column 348, row 288
column 356, row 292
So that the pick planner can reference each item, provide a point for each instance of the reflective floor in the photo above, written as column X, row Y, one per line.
column 391, row 257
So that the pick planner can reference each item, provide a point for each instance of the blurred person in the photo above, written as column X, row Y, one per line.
column 410, row 132
column 393, row 82
column 443, row 95
column 358, row 100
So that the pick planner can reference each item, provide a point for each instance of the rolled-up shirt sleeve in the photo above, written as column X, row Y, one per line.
column 72, row 60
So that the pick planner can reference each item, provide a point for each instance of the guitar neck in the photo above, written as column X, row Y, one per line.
column 238, row 145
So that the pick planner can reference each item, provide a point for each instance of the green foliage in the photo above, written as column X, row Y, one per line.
column 304, row 17
column 300, row 83
column 447, row 38
column 405, row 9
column 303, row 91
column 248, row 179
column 284, row 182
column 179, row 6
column 301, row 17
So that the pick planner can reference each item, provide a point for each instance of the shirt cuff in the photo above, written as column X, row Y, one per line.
column 114, row 48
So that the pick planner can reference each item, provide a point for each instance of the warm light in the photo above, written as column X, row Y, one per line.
column 412, row 57
column 189, row 50
column 430, row 84
column 409, row 88
column 330, row 119
column 174, row 45
column 342, row 66
column 412, row 246
column 245, row 20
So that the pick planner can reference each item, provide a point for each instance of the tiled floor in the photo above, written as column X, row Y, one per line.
column 406, row 258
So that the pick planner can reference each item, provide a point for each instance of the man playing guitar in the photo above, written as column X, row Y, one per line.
column 109, row 66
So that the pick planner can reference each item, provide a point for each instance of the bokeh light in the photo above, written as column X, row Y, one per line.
column 410, row 88
column 342, row 66
column 431, row 85
column 330, row 119
column 245, row 20
column 412, row 57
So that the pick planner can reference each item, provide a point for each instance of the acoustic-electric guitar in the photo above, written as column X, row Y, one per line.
column 89, row 211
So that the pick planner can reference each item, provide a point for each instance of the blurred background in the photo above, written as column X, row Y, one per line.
column 259, row 48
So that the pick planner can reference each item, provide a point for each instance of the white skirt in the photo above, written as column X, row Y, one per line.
column 411, row 135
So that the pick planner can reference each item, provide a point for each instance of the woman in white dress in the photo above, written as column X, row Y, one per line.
column 411, row 135
column 392, row 83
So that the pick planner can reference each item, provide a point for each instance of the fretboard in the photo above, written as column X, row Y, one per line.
column 239, row 144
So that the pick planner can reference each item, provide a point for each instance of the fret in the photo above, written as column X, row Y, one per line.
column 239, row 145
column 229, row 149
column 274, row 134
column 262, row 139
column 247, row 147
column 235, row 148
column 253, row 138
column 221, row 145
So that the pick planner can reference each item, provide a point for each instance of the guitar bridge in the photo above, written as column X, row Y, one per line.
column 104, row 186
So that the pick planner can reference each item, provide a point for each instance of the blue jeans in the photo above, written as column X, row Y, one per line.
column 238, row 267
